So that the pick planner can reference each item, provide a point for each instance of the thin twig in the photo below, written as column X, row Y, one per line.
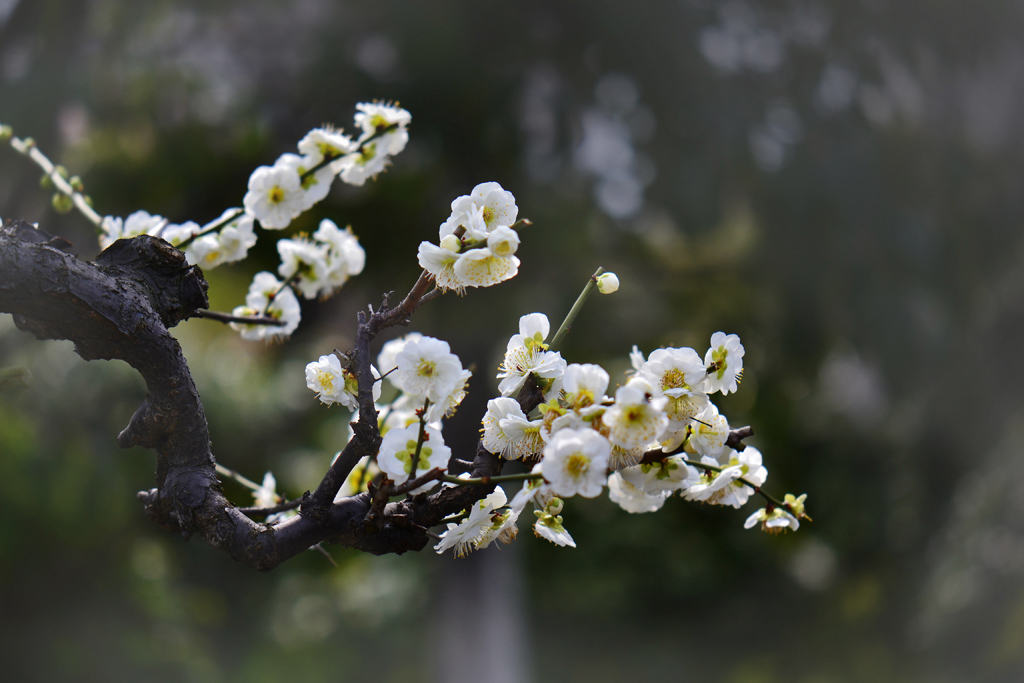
column 228, row 318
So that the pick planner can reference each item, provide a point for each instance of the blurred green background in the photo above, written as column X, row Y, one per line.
column 840, row 183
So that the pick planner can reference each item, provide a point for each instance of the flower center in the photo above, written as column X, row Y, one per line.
column 577, row 464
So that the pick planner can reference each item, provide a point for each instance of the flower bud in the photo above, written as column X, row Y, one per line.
column 451, row 243
column 607, row 283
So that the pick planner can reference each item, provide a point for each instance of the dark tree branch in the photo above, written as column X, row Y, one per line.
column 733, row 441
column 121, row 306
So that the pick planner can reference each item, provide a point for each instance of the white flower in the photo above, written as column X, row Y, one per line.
column 326, row 378
column 236, row 238
column 398, row 447
column 607, row 283
column 428, row 368
column 549, row 524
column 387, row 359
column 335, row 384
column 636, row 359
column 724, row 363
column 366, row 163
column 175, row 234
column 345, row 257
column 275, row 196
column 723, row 488
column 625, row 488
column 527, row 354
column 440, row 262
column 508, row 433
column 465, row 535
column 315, row 185
column 304, row 262
column 665, row 476
column 482, row 268
column 633, row 421
column 584, row 385
column 480, row 212
column 266, row 497
column 503, row 241
column 575, row 462
column 358, row 479
column 709, row 432
column 711, row 485
column 266, row 297
column 677, row 374
column 773, row 522
column 375, row 117
column 326, row 143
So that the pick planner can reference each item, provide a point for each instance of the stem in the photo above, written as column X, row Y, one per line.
column 757, row 489
column 419, row 440
column 287, row 283
column 231, row 474
column 28, row 148
column 327, row 161
column 574, row 311
column 214, row 227
column 524, row 476
column 228, row 318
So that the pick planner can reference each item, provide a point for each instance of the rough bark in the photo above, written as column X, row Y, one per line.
column 121, row 306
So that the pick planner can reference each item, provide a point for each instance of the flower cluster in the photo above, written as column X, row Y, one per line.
column 319, row 266
column 477, row 244
column 660, row 435
column 277, row 194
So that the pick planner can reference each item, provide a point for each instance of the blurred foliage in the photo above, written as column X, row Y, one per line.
column 837, row 182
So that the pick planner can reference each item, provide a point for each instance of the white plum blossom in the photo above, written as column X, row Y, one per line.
column 482, row 211
column 398, row 447
column 669, row 474
column 549, row 524
column 709, row 432
column 633, row 421
column 724, row 363
column 335, row 384
column 387, row 359
column 326, row 144
column 375, row 117
column 428, row 368
column 326, row 377
column 321, row 265
column 315, row 185
column 440, row 262
column 358, row 479
column 507, row 432
column 266, row 297
column 137, row 223
column 482, row 268
column 465, row 536
column 175, row 233
column 304, row 263
column 575, row 462
column 677, row 374
column 503, row 241
column 275, row 196
column 710, row 486
column 607, row 283
column 772, row 522
column 527, row 354
column 584, row 384
column 345, row 257
column 723, row 488
column 626, row 488
column 266, row 497
column 228, row 244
